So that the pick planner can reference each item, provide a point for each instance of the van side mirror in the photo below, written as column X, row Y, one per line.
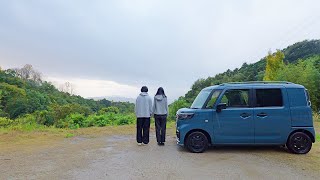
column 221, row 106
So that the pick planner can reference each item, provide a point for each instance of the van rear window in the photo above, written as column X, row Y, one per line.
column 308, row 97
column 269, row 98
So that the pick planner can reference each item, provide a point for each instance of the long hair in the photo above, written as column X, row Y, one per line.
column 161, row 92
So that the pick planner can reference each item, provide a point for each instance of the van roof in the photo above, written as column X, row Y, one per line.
column 275, row 84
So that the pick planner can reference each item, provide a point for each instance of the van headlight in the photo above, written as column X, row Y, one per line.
column 183, row 116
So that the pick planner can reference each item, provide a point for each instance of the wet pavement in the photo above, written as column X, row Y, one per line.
column 118, row 157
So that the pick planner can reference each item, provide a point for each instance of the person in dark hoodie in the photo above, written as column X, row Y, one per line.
column 160, row 111
column 143, row 110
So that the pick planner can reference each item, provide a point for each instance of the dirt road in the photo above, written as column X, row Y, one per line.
column 118, row 157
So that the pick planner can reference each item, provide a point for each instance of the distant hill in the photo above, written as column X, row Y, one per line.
column 255, row 71
column 22, row 91
column 114, row 99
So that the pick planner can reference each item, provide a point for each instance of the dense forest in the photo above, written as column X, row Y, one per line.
column 24, row 96
column 26, row 99
column 300, row 64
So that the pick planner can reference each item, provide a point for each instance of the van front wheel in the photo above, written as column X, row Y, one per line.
column 197, row 142
column 299, row 143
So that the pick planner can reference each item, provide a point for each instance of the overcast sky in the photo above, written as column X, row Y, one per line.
column 110, row 47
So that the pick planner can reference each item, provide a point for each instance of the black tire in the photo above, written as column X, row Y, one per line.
column 299, row 143
column 197, row 142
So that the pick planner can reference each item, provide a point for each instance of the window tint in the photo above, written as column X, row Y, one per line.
column 308, row 98
column 268, row 97
column 213, row 99
column 236, row 98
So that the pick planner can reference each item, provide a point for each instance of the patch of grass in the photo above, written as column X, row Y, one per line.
column 316, row 117
column 318, row 137
column 69, row 135
column 4, row 131
column 30, row 129
column 171, row 124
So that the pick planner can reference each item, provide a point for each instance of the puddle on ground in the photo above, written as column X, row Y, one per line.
column 76, row 140
column 107, row 149
column 120, row 138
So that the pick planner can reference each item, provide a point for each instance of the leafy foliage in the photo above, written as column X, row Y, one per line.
column 301, row 51
column 110, row 109
column 175, row 106
column 5, row 122
column 305, row 73
column 274, row 65
column 24, row 95
column 26, row 101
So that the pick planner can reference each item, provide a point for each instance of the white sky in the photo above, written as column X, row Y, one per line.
column 108, row 48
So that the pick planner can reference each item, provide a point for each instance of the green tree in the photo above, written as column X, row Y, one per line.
column 175, row 106
column 61, row 112
column 306, row 74
column 274, row 65
column 110, row 109
column 2, row 114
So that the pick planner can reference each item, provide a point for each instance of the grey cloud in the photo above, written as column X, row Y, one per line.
column 168, row 43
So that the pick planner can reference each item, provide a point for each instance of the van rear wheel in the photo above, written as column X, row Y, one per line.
column 197, row 142
column 299, row 143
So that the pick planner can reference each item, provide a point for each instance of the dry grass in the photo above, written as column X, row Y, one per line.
column 45, row 136
column 317, row 129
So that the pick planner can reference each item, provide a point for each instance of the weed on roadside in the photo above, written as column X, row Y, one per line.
column 69, row 135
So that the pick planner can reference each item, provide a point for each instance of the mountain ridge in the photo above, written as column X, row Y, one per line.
column 255, row 71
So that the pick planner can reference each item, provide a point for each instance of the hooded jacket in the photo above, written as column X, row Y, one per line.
column 143, row 106
column 160, row 105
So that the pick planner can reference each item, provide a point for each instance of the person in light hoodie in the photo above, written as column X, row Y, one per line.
column 160, row 111
column 143, row 110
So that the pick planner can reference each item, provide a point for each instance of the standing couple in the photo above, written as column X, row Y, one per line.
column 144, row 110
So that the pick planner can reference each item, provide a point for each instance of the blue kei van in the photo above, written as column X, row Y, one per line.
column 250, row 113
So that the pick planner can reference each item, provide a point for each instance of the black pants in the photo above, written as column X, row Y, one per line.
column 160, row 122
column 143, row 127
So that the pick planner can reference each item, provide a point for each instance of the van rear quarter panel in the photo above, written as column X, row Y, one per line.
column 301, row 113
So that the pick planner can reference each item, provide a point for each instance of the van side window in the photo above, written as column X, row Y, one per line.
column 213, row 99
column 269, row 98
column 236, row 98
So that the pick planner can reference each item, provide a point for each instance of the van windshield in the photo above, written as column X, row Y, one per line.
column 201, row 99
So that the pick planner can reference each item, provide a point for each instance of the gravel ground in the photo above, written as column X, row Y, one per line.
column 118, row 157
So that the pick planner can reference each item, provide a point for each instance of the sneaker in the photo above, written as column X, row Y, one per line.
column 162, row 143
column 145, row 143
column 159, row 143
column 139, row 144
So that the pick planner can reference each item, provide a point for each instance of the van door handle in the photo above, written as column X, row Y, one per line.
column 245, row 115
column 262, row 114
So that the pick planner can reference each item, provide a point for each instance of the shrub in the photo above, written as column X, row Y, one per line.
column 90, row 121
column 101, row 120
column 77, row 119
column 26, row 120
column 25, row 123
column 44, row 117
column 72, row 121
column 175, row 106
column 61, row 112
column 5, row 122
column 110, row 109
column 125, row 119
